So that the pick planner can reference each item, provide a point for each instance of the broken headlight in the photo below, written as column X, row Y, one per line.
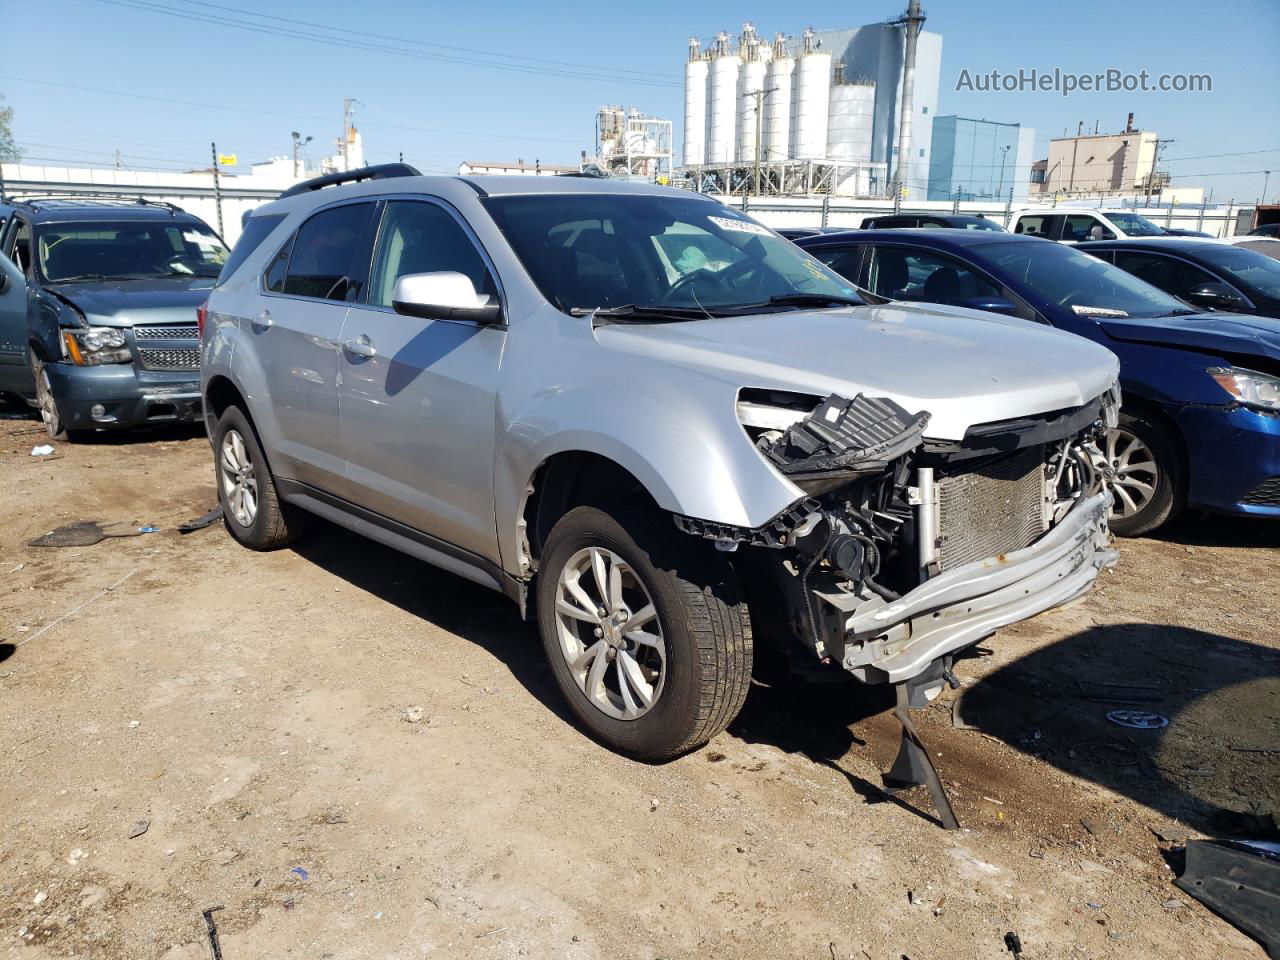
column 88, row 346
column 1250, row 387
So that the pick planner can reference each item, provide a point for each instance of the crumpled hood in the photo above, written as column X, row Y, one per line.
column 964, row 366
column 123, row 303
column 1211, row 332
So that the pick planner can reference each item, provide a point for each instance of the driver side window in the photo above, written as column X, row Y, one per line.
column 903, row 274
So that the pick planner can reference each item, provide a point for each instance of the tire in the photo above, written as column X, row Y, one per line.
column 698, row 671
column 1145, row 474
column 251, row 508
column 45, row 402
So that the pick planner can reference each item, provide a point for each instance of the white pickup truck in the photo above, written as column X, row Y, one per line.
column 1076, row 225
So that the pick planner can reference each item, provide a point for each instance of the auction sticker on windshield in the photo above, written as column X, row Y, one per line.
column 739, row 226
column 1085, row 311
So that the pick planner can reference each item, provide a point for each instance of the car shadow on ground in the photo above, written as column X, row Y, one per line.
column 468, row 610
column 1195, row 528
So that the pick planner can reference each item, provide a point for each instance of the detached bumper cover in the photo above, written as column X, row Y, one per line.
column 894, row 641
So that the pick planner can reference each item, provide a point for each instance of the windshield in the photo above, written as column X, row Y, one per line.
column 1251, row 269
column 1134, row 225
column 103, row 250
column 612, row 251
column 981, row 223
column 1080, row 283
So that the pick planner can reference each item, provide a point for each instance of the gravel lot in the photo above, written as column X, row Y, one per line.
column 353, row 755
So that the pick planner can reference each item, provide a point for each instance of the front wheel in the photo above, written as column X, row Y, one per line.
column 644, row 629
column 1144, row 474
column 45, row 402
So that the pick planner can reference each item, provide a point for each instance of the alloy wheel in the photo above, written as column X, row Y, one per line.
column 610, row 634
column 1132, row 473
column 239, row 482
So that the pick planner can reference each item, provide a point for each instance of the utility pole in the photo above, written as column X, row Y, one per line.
column 1266, row 179
column 759, row 96
column 348, row 111
column 1155, row 161
column 217, row 188
column 1004, row 152
column 911, row 21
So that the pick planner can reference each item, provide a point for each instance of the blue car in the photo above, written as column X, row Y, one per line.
column 1200, row 424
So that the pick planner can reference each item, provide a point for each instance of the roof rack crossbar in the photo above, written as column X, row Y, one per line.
column 381, row 171
column 34, row 201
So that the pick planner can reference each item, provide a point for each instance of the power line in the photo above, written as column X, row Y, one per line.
column 266, row 29
column 608, row 70
column 277, row 113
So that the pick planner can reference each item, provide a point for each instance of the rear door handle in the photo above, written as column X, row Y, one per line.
column 262, row 321
column 360, row 346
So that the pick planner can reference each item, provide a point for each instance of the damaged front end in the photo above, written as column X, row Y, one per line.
column 905, row 551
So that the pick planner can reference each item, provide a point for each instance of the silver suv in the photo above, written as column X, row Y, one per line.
column 669, row 435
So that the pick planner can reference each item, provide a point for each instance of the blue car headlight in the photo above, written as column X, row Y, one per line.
column 1250, row 387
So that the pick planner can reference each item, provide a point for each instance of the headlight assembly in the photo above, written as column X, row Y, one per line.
column 1250, row 387
column 88, row 346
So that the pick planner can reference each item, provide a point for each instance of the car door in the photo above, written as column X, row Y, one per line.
column 1171, row 274
column 418, row 396
column 907, row 273
column 15, row 373
column 307, row 289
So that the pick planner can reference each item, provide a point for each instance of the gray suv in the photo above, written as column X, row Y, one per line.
column 665, row 432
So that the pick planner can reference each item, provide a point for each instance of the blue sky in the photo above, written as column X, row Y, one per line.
column 247, row 90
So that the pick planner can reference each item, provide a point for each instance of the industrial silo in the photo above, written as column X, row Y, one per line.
column 777, row 104
column 812, row 85
column 695, row 106
column 750, row 91
column 722, row 102
column 851, row 118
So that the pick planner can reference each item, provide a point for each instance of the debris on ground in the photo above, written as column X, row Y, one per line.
column 300, row 872
column 1138, row 719
column 1013, row 944
column 212, row 929
column 1240, row 881
column 139, row 828
column 202, row 521
column 43, row 450
column 86, row 533
column 414, row 714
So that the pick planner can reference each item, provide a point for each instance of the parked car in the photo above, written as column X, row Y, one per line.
column 97, row 311
column 955, row 221
column 1265, row 245
column 663, row 430
column 1266, row 230
column 1207, row 274
column 1199, row 424
column 1184, row 232
column 795, row 233
column 1081, row 225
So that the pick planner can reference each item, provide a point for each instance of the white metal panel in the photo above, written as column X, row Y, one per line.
column 695, row 112
column 722, row 109
column 850, row 121
column 777, row 110
column 750, row 81
column 812, row 102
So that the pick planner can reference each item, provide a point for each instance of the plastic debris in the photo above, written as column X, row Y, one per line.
column 1013, row 943
column 1138, row 719
column 139, row 828
column 40, row 898
column 43, row 450
column 83, row 534
column 301, row 872
column 148, row 529
column 202, row 521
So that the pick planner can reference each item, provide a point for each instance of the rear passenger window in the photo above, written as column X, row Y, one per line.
column 1172, row 276
column 255, row 231
column 1078, row 227
column 322, row 264
column 421, row 237
column 1033, row 226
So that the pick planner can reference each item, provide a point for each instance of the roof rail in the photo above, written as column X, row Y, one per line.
column 104, row 199
column 381, row 171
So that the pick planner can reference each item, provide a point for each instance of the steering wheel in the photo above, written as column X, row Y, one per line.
column 721, row 280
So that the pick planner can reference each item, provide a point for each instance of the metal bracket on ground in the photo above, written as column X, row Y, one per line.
column 913, row 766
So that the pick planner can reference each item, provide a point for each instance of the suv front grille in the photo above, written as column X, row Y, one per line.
column 1265, row 494
column 170, row 359
column 186, row 331
column 989, row 510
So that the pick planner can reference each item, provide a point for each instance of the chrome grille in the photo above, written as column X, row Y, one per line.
column 186, row 331
column 170, row 359
column 991, row 509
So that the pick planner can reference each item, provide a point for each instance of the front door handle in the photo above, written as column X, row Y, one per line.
column 262, row 321
column 360, row 346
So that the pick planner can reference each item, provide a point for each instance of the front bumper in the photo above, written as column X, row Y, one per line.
column 1234, row 455
column 891, row 642
column 128, row 397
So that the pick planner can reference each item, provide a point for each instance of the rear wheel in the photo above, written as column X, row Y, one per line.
column 1144, row 474
column 644, row 629
column 251, row 508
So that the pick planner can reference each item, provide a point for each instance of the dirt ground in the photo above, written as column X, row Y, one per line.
column 352, row 755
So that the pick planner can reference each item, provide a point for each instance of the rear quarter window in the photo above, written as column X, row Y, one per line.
column 255, row 231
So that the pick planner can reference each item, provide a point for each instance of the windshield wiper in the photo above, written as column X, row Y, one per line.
column 795, row 300
column 633, row 313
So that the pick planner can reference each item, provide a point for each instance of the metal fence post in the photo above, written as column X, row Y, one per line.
column 826, row 207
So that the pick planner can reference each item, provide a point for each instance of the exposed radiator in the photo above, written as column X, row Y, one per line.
column 991, row 509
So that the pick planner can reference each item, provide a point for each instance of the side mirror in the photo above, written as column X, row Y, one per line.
column 11, row 275
column 1215, row 296
column 992, row 305
column 445, row 295
column 1099, row 232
